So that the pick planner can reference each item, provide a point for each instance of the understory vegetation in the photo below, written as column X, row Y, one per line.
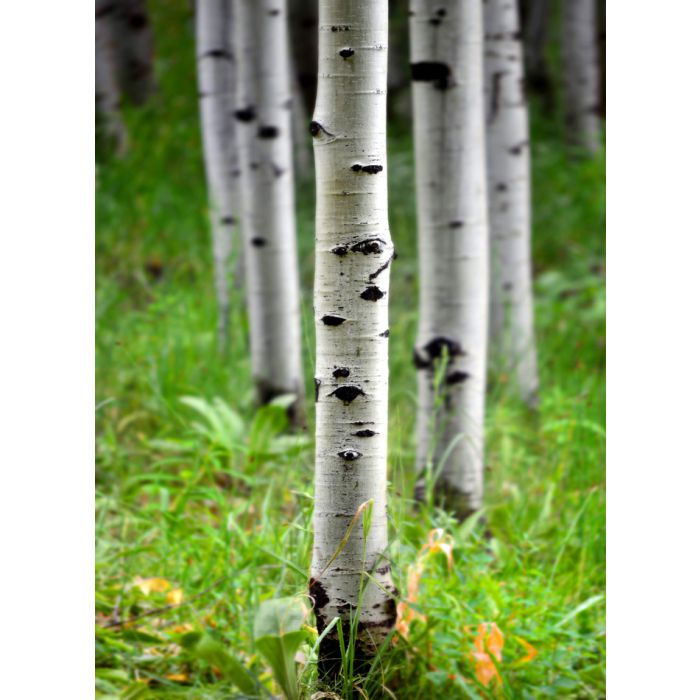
column 204, row 503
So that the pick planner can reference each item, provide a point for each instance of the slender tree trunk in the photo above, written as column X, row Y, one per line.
column 215, row 73
column 264, row 137
column 538, row 73
column 353, row 255
column 450, row 353
column 134, row 38
column 581, row 74
column 511, row 319
column 107, row 98
column 300, row 124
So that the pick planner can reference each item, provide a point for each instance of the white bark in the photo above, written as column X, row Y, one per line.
column 107, row 98
column 264, row 138
column 215, row 74
column 354, row 251
column 446, row 67
column 511, row 319
column 581, row 74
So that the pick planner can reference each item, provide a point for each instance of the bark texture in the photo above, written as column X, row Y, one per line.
column 264, row 138
column 134, row 38
column 581, row 74
column 354, row 251
column 215, row 74
column 107, row 97
column 511, row 304
column 447, row 72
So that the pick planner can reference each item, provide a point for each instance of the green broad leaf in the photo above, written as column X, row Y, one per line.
column 278, row 635
column 203, row 646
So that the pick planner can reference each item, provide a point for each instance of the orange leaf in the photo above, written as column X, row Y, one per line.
column 488, row 646
column 178, row 677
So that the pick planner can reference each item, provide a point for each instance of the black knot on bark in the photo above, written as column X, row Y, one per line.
column 314, row 128
column 217, row 53
column 456, row 224
column 439, row 74
column 258, row 242
column 371, row 245
column 347, row 393
column 365, row 433
column 346, row 53
column 501, row 187
column 330, row 320
column 340, row 250
column 341, row 372
column 247, row 114
column 456, row 377
column 384, row 334
column 268, row 132
column 273, row 13
column 372, row 294
column 435, row 348
column 227, row 220
column 350, row 455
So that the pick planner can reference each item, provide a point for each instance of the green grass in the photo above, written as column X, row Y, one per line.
column 180, row 500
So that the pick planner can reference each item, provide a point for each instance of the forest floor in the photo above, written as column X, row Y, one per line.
column 197, row 488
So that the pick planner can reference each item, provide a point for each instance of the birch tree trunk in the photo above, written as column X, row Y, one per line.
column 215, row 73
column 448, row 122
column 264, row 138
column 581, row 74
column 353, row 255
column 107, row 98
column 134, row 38
column 511, row 304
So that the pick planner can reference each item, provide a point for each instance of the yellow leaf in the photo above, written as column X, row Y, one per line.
column 151, row 585
column 175, row 597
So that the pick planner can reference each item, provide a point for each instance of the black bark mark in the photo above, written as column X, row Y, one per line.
column 247, row 114
column 217, row 53
column 346, row 53
column 370, row 169
column 376, row 274
column 384, row 334
column 350, row 455
column 372, row 294
column 329, row 320
column 518, row 148
column 456, row 377
column 371, row 245
column 227, row 220
column 340, row 28
column 365, row 433
column 258, row 242
column 317, row 388
column 347, row 393
column 315, row 129
column 495, row 102
column 439, row 74
column 340, row 250
column 456, row 224
column 268, row 132
column 341, row 372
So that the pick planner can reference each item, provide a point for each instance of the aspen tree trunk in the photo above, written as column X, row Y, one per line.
column 134, row 39
column 215, row 73
column 264, row 138
column 446, row 68
column 353, row 255
column 107, row 98
column 581, row 74
column 511, row 304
